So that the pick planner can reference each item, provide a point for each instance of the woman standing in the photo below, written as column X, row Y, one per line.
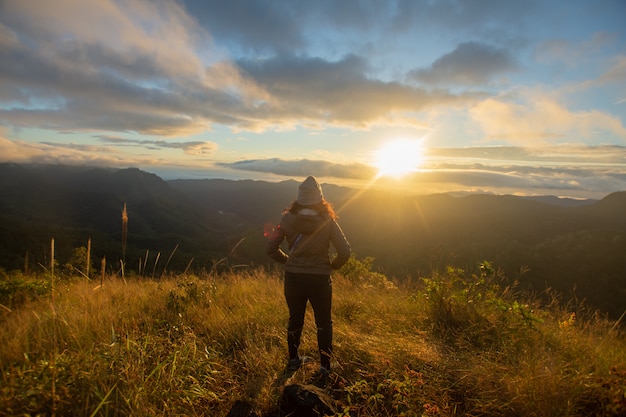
column 310, row 226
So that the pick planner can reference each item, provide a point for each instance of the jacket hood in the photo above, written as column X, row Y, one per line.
column 307, row 221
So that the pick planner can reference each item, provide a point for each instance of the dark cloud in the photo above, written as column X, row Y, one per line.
column 262, row 26
column 568, row 170
column 461, row 175
column 470, row 63
column 59, row 79
column 197, row 148
column 78, row 147
column 475, row 16
column 252, row 25
column 304, row 167
column 340, row 92
column 558, row 181
column 269, row 27
column 572, row 154
column 69, row 154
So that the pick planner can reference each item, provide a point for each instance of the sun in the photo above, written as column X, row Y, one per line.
column 399, row 157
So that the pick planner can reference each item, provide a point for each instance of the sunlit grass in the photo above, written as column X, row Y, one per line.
column 456, row 346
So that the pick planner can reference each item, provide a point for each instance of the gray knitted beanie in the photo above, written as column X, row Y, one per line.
column 309, row 192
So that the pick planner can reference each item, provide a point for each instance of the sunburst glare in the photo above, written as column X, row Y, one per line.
column 398, row 158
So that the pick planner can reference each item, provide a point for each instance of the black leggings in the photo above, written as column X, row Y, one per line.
column 299, row 289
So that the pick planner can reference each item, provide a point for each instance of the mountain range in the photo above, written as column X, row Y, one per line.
column 576, row 247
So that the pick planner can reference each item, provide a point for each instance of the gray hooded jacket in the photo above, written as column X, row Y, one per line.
column 309, row 236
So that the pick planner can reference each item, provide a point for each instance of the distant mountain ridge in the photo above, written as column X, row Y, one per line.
column 74, row 204
column 562, row 243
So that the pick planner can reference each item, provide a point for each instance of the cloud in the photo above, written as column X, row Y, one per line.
column 573, row 170
column 75, row 146
column 471, row 63
column 150, row 68
column 196, row 148
column 489, row 178
column 571, row 54
column 142, row 39
column 473, row 17
column 566, row 169
column 256, row 25
column 539, row 119
column 572, row 153
column 527, row 180
column 612, row 79
column 523, row 180
column 617, row 72
column 316, row 91
column 262, row 27
column 304, row 167
column 147, row 68
column 16, row 151
column 199, row 148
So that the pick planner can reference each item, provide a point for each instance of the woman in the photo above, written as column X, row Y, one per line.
column 310, row 226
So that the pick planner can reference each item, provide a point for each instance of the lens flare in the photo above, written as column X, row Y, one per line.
column 398, row 158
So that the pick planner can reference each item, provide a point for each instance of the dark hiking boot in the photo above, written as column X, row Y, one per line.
column 295, row 363
column 321, row 377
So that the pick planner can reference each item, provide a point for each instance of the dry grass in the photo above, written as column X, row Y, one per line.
column 192, row 345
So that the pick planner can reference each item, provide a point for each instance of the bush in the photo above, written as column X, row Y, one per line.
column 474, row 309
column 359, row 272
column 17, row 289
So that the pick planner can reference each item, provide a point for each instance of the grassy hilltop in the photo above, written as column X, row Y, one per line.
column 447, row 345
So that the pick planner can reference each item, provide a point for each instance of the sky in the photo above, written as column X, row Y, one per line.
column 525, row 98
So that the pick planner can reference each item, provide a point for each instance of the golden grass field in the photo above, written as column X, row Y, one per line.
column 448, row 345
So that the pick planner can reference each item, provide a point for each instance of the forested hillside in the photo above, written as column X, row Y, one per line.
column 574, row 247
column 540, row 242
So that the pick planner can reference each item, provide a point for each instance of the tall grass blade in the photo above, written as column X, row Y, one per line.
column 103, row 265
column 124, row 232
column 122, row 270
column 168, row 261
column 54, row 328
column 88, row 262
column 618, row 320
column 188, row 266
column 145, row 262
column 103, row 401
column 156, row 261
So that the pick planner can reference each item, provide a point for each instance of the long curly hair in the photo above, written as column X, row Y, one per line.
column 324, row 208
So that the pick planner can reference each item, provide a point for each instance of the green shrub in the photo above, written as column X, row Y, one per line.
column 474, row 309
column 359, row 272
column 17, row 289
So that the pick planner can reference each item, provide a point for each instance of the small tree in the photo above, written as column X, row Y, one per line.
column 78, row 262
